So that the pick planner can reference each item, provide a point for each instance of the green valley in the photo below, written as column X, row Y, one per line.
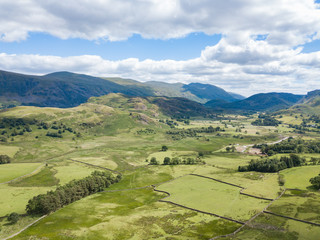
column 178, row 167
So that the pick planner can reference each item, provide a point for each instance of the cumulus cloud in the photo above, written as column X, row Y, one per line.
column 279, row 70
column 248, row 52
column 289, row 22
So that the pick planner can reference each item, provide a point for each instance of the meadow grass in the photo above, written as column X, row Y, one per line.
column 114, row 140
column 295, row 120
column 14, row 170
column 99, row 161
column 127, row 215
column 299, row 204
column 7, row 229
column 269, row 227
column 8, row 150
column 298, row 177
column 45, row 178
column 15, row 199
column 228, row 160
column 68, row 171
column 211, row 196
column 255, row 183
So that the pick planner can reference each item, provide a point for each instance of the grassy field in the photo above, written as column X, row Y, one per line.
column 228, row 160
column 99, row 161
column 121, row 134
column 171, row 154
column 8, row 150
column 109, row 216
column 7, row 229
column 15, row 199
column 71, row 170
column 268, row 227
column 14, row 170
column 45, row 178
column 218, row 198
column 299, row 204
column 298, row 177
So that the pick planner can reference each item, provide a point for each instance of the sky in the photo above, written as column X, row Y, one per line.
column 243, row 46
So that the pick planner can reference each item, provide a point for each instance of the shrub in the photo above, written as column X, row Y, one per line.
column 13, row 217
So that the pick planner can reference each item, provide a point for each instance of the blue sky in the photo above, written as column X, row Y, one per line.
column 242, row 46
column 134, row 47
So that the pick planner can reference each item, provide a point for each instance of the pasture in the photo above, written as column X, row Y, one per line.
column 8, row 150
column 130, row 214
column 14, row 170
column 122, row 139
column 298, row 177
column 213, row 197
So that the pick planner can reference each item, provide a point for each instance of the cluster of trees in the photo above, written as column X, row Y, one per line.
column 192, row 132
column 4, row 159
column 231, row 149
column 19, row 126
column 146, row 131
column 314, row 118
column 184, row 119
column 290, row 146
column 266, row 120
column 310, row 124
column 315, row 161
column 72, row 191
column 315, row 181
column 16, row 122
column 170, row 123
column 54, row 134
column 273, row 165
column 176, row 161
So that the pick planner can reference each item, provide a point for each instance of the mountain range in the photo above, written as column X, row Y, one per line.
column 66, row 89
column 259, row 102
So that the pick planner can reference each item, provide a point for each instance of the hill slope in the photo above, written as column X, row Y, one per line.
column 62, row 89
column 66, row 89
column 194, row 91
column 210, row 92
column 310, row 104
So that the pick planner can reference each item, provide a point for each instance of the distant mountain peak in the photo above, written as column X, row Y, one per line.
column 209, row 92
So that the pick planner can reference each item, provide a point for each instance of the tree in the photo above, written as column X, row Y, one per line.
column 4, row 159
column 153, row 161
column 315, row 181
column 233, row 148
column 166, row 161
column 164, row 148
column 175, row 161
column 13, row 217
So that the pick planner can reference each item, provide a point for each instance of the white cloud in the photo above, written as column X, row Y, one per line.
column 289, row 22
column 247, row 52
column 276, row 69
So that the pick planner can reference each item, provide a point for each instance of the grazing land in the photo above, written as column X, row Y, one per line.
column 199, row 193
